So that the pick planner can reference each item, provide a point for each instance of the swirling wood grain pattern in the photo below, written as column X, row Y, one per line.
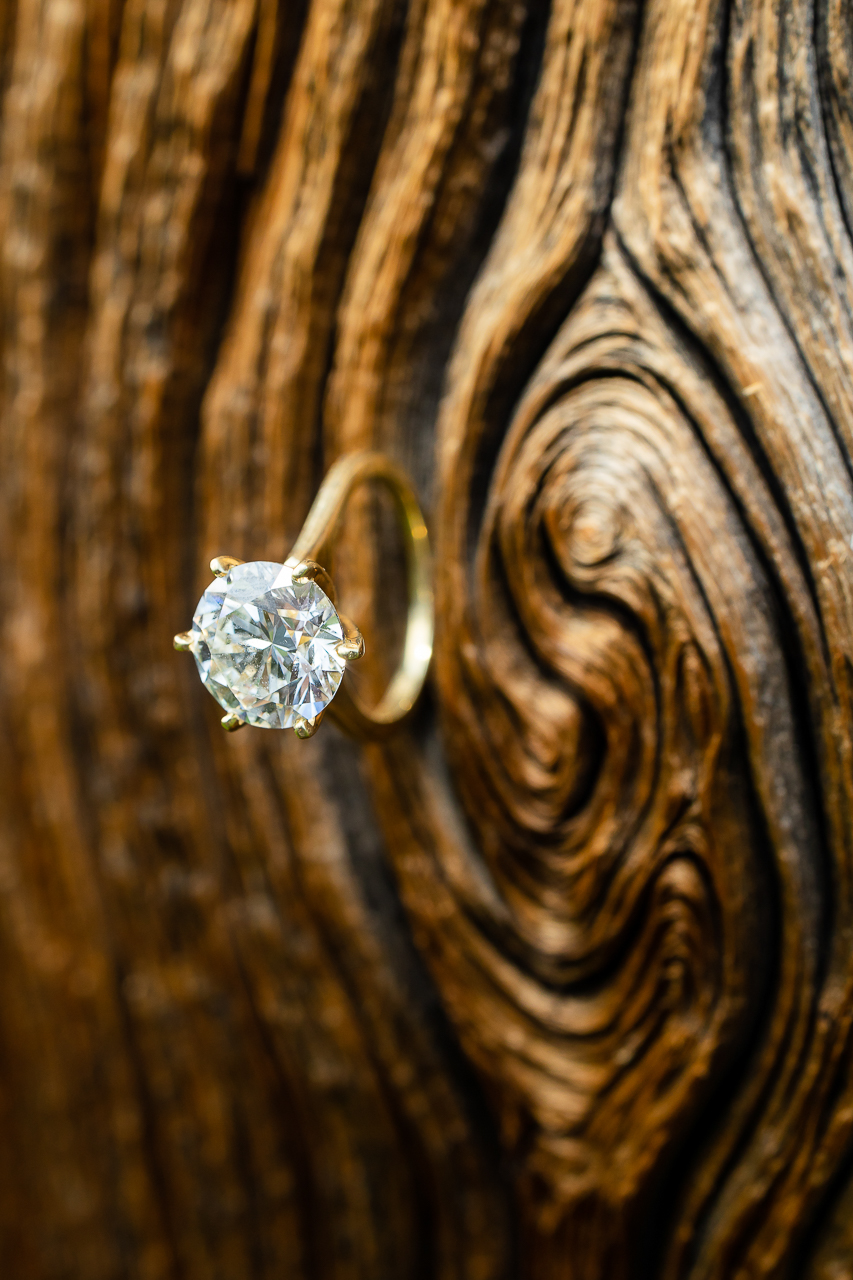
column 559, row 983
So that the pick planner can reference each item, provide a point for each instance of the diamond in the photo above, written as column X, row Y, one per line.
column 266, row 646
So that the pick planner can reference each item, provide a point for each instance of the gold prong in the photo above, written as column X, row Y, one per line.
column 220, row 565
column 183, row 641
column 352, row 645
column 304, row 728
column 307, row 570
column 351, row 650
column 311, row 571
column 231, row 722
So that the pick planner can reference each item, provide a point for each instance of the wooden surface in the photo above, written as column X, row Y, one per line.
column 558, row 985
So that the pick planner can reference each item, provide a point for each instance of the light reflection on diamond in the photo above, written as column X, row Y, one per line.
column 265, row 646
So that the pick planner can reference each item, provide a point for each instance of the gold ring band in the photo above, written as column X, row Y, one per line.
column 316, row 542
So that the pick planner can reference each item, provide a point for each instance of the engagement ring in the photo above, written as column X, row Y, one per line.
column 272, row 647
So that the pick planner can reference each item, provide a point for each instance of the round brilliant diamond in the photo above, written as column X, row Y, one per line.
column 266, row 646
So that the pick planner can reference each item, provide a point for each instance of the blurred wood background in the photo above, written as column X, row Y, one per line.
column 558, row 985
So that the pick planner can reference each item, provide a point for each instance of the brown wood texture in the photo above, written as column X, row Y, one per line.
column 558, row 983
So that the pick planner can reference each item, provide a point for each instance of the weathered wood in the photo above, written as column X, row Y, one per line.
column 559, row 983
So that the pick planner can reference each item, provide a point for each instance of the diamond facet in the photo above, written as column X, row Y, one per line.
column 266, row 646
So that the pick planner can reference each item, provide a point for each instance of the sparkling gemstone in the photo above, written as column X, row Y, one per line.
column 265, row 646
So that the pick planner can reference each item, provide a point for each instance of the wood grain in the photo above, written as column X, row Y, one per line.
column 558, row 984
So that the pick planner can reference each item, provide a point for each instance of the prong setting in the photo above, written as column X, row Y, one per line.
column 307, row 571
column 352, row 646
column 304, row 728
column 220, row 565
column 311, row 571
column 352, row 650
column 231, row 722
column 183, row 641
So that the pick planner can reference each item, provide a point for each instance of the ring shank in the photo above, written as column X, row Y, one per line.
column 316, row 541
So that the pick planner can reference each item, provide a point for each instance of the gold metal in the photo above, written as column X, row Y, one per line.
column 183, row 641
column 304, row 728
column 231, row 722
column 220, row 565
column 311, row 571
column 352, row 645
column 315, row 543
column 306, row 569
